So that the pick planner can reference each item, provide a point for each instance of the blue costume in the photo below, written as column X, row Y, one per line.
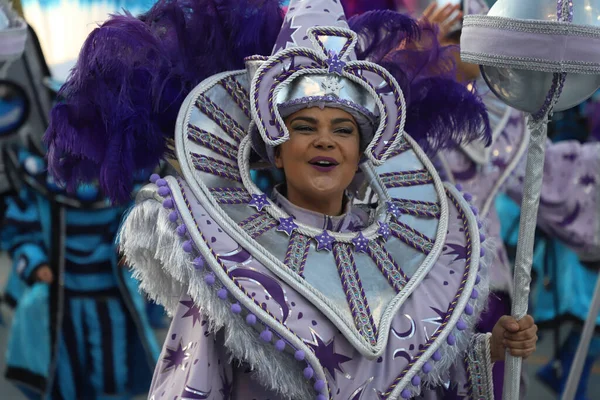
column 92, row 337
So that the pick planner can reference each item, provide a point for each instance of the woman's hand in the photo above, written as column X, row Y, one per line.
column 518, row 337
column 444, row 17
column 44, row 274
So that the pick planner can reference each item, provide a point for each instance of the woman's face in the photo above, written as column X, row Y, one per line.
column 321, row 157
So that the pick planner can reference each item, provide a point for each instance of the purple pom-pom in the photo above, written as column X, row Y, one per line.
column 481, row 237
column 482, row 252
column 199, row 263
column 479, row 224
column 266, row 335
column 451, row 339
column 406, row 394
column 461, row 325
column 161, row 182
column 321, row 397
column 459, row 187
column 474, row 294
column 299, row 355
column 222, row 293
column 164, row 191
column 181, row 230
column 187, row 246
column 154, row 178
column 468, row 196
column 416, row 380
column 469, row 309
column 477, row 279
column 308, row 372
column 319, row 385
column 209, row 279
column 173, row 216
column 475, row 210
column 168, row 203
column 251, row 319
column 280, row 345
column 236, row 308
column 427, row 367
column 437, row 356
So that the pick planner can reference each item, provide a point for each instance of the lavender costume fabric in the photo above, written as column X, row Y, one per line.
column 483, row 172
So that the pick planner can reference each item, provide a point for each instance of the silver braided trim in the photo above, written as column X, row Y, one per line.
column 533, row 64
column 530, row 26
column 479, row 365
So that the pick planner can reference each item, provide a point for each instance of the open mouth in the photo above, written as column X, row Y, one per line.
column 323, row 163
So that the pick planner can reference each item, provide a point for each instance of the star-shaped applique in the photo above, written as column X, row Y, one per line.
column 336, row 65
column 361, row 243
column 570, row 157
column 325, row 352
column 193, row 311
column 286, row 34
column 175, row 358
column 332, row 86
column 393, row 209
column 259, row 201
column 324, row 241
column 437, row 321
column 460, row 252
column 287, row 225
column 384, row 230
column 587, row 180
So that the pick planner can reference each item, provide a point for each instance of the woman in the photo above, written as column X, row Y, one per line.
column 304, row 295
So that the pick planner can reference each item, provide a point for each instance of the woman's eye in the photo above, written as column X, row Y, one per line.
column 344, row 131
column 303, row 128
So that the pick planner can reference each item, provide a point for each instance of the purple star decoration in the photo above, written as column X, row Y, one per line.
column 361, row 243
column 324, row 241
column 384, row 230
column 393, row 209
column 175, row 357
column 336, row 65
column 193, row 311
column 287, row 225
column 259, row 201
column 325, row 352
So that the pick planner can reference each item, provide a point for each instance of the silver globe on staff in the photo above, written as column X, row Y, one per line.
column 538, row 56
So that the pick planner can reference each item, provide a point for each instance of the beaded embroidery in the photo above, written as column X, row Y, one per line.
column 418, row 208
column 388, row 267
column 258, row 224
column 355, row 294
column 238, row 93
column 220, row 117
column 212, row 142
column 297, row 251
column 406, row 178
column 411, row 237
column 216, row 167
column 228, row 195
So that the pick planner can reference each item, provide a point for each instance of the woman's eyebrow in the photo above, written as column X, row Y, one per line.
column 306, row 119
column 340, row 120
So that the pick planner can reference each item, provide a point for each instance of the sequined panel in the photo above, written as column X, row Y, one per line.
column 297, row 251
column 402, row 146
column 238, row 93
column 418, row 208
column 406, row 178
column 386, row 264
column 221, row 118
column 212, row 142
column 258, row 224
column 355, row 294
column 230, row 195
column 411, row 237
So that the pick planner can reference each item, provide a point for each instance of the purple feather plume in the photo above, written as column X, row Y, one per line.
column 121, row 101
column 441, row 113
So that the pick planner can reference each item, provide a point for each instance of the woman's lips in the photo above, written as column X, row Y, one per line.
column 323, row 168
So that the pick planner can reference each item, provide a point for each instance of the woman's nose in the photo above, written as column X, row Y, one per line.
column 324, row 140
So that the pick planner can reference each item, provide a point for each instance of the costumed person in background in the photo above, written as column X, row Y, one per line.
column 24, row 108
column 64, row 25
column 564, row 283
column 339, row 317
column 82, row 310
